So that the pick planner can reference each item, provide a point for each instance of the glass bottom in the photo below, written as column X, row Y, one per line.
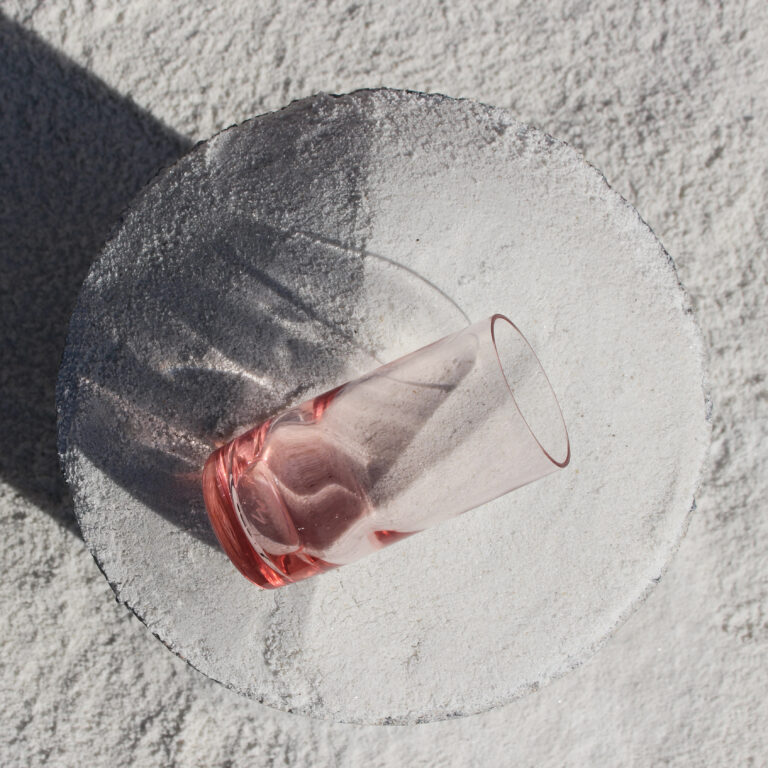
column 282, row 494
column 266, row 571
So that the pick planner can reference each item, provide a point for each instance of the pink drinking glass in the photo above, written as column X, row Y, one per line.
column 424, row 438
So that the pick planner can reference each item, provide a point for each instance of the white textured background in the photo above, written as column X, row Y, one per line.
column 668, row 99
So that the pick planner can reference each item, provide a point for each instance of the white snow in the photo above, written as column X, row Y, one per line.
column 667, row 101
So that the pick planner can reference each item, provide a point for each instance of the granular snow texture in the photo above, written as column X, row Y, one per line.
column 244, row 279
column 668, row 102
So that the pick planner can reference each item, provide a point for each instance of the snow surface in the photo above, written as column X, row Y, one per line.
column 668, row 102
column 244, row 279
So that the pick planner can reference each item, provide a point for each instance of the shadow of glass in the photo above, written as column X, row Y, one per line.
column 73, row 153
column 230, row 326
column 225, row 297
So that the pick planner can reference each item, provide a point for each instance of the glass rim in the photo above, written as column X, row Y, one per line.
column 564, row 463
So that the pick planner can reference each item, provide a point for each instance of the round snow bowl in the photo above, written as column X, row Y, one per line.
column 294, row 251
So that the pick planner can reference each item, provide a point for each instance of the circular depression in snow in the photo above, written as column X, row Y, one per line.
column 296, row 250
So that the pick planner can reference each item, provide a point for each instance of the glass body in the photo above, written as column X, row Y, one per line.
column 424, row 438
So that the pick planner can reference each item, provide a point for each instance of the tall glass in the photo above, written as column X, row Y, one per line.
column 426, row 437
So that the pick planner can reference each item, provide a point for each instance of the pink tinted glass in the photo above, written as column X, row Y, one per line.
column 424, row 438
